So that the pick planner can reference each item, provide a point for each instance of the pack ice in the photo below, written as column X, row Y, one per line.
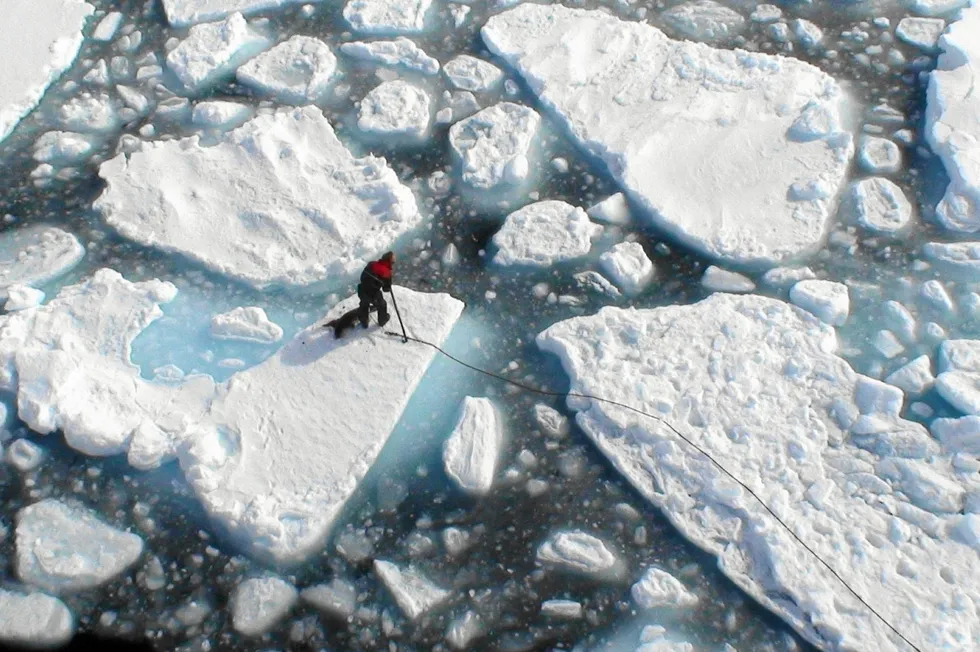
column 278, row 201
column 188, row 12
column 36, row 255
column 756, row 383
column 739, row 155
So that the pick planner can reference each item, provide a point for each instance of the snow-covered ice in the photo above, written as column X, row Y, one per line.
column 36, row 52
column 716, row 279
column 400, row 52
column 923, row 33
column 958, row 380
column 95, row 113
column 612, row 210
column 259, row 603
column 960, row 435
column 62, row 147
column 628, row 266
column 21, row 297
column 704, row 20
column 580, row 552
column 337, row 598
column 952, row 116
column 959, row 259
column 934, row 294
column 471, row 74
column 914, row 378
column 250, row 324
column 464, row 630
column 492, row 146
column 213, row 50
column 658, row 588
column 34, row 620
column 756, row 383
column 879, row 155
column 221, row 114
column 567, row 609
column 62, row 548
column 414, row 594
column 297, row 71
column 181, row 13
column 878, row 205
column 24, row 455
column 762, row 125
column 935, row 7
column 787, row 276
column 828, row 300
column 36, row 255
column 292, row 206
column 471, row 451
column 396, row 108
column 544, row 233
column 387, row 16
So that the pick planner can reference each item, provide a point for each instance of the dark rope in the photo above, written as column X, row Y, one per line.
column 545, row 392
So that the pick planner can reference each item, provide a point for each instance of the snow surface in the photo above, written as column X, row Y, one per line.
column 62, row 548
column 471, row 74
column 958, row 435
column 658, row 588
column 400, row 52
column 763, row 125
column 249, row 324
column 292, row 206
column 36, row 52
column 492, row 146
column 212, row 50
column 413, row 592
column 259, row 603
column 36, row 255
column 878, row 205
column 544, row 233
column 953, row 121
column 188, row 12
column 396, row 108
column 628, row 266
column 34, row 620
column 387, row 16
column 828, row 300
column 297, row 71
column 471, row 451
column 756, row 383
column 580, row 552
column 716, row 279
column 704, row 20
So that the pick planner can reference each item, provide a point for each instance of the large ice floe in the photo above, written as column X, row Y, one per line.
column 36, row 255
column 492, row 146
column 400, row 52
column 471, row 452
column 756, row 383
column 953, row 120
column 188, row 12
column 297, row 71
column 34, row 620
column 212, row 50
column 387, row 16
column 739, row 155
column 396, row 108
column 35, row 52
column 290, row 206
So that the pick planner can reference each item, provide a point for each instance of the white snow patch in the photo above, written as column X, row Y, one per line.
column 413, row 592
column 36, row 255
column 923, row 33
column 400, row 52
column 297, row 71
column 612, row 210
column 250, row 324
column 628, row 266
column 544, row 233
column 396, row 108
column 580, row 552
column 34, row 620
column 716, row 279
column 879, row 155
column 212, row 50
column 828, row 300
column 259, row 603
column 21, row 297
column 221, row 114
column 472, row 450
column 704, row 20
column 387, row 16
column 658, row 588
column 492, row 146
column 471, row 74
column 181, row 13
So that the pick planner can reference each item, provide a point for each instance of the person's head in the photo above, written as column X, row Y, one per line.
column 389, row 257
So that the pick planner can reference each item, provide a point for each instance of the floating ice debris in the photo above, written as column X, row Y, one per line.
column 24, row 455
column 387, row 16
column 914, row 378
column 612, row 210
column 34, row 620
column 959, row 258
column 952, row 116
column 471, row 74
column 898, row 318
column 35, row 52
column 597, row 283
column 400, row 52
column 958, row 380
column 704, row 20
column 935, row 7
column 181, row 13
column 716, row 279
column 250, row 324
column 544, row 233
column 461, row 104
column 62, row 147
column 21, row 297
column 414, row 593
column 313, row 212
column 935, row 295
column 710, row 364
column 90, row 113
column 565, row 609
column 653, row 638
column 879, row 155
column 779, row 120
column 455, row 540
column 658, row 588
column 923, row 33
column 36, row 255
column 766, row 13
column 61, row 548
column 213, row 50
column 552, row 422
column 828, row 300
column 297, row 71
column 887, row 344
column 221, row 114
column 958, row 435
column 492, row 147
column 396, row 108
column 193, row 612
column 337, row 598
column 473, row 448
column 580, row 552
column 628, row 266
column 808, row 34
column 259, row 603
column 878, row 205
column 463, row 630
column 785, row 276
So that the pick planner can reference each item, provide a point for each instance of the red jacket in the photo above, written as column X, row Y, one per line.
column 376, row 277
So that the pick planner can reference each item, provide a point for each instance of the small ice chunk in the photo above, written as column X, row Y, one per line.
column 212, row 50
column 658, row 588
column 766, row 13
column 106, row 29
column 612, row 210
column 471, row 74
column 552, row 422
column 455, row 540
column 923, row 33
column 193, row 612
column 492, row 146
column 960, row 435
column 259, row 603
column 337, row 598
column 716, row 279
column 90, row 113
column 914, row 378
column 464, row 630
column 935, row 7
column 36, row 255
column 249, row 324
column 62, row 548
column 471, row 452
column 959, row 355
column 828, row 300
column 880, row 206
column 629, row 267
column 596, row 282
column 887, row 344
column 221, row 114
column 62, row 148
column 22, row 297
column 297, row 71
column 396, row 108
column 704, row 20
column 580, row 552
column 900, row 321
column 400, row 52
column 181, row 13
column 879, row 155
column 387, row 16
column 414, row 594
column 781, row 277
column 959, row 258
column 565, row 609
column 34, row 620
column 544, row 233
column 808, row 34
column 24, row 455
column 935, row 295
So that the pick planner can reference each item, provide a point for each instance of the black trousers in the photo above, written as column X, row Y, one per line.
column 370, row 303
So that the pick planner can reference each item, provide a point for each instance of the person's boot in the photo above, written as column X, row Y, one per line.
column 383, row 318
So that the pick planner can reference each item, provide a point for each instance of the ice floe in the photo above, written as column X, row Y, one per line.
column 181, row 13
column 958, row 380
column 776, row 120
column 213, row 50
column 878, row 205
column 580, row 552
column 923, row 33
column 221, row 114
column 952, row 116
column 704, row 20
column 463, row 630
column 259, row 603
column 658, row 588
column 35, row 52
column 21, row 297
column 36, row 255
column 716, row 279
column 250, row 324
column 34, row 620
column 387, row 16
column 400, row 52
column 396, row 108
column 471, row 74
column 414, row 594
column 914, row 378
column 781, row 277
column 24, row 455
column 471, row 452
column 628, row 266
column 62, row 147
column 492, row 146
column 544, row 233
column 337, row 598
column 879, row 155
column 62, row 548
column 292, row 206
column 566, row 609
column 612, row 210
column 756, row 383
column 828, row 300
column 297, row 71
column 960, row 435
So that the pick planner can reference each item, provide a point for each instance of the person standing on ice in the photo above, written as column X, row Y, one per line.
column 375, row 279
